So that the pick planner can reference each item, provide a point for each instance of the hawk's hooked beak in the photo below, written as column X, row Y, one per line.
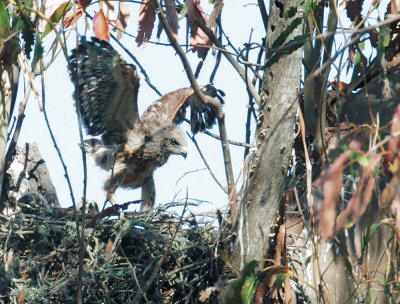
column 184, row 152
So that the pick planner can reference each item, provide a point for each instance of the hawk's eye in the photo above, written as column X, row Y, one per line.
column 174, row 142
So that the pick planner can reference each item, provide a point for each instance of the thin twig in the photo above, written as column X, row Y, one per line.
column 206, row 163
column 153, row 276
column 232, row 142
column 142, row 70
column 207, row 100
column 17, row 131
column 234, row 63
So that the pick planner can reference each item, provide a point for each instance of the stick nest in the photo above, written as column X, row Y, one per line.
column 154, row 257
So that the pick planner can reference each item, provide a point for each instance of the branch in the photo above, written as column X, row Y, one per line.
column 21, row 117
column 207, row 100
column 206, row 163
column 142, row 70
column 235, row 64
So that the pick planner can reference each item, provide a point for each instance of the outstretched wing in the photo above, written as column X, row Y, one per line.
column 171, row 109
column 106, row 90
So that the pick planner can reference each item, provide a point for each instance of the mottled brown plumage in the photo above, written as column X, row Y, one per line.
column 131, row 148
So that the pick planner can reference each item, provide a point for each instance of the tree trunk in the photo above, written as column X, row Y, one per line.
column 9, row 73
column 274, row 138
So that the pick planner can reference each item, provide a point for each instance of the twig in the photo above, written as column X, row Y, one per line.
column 142, row 70
column 24, row 65
column 235, row 64
column 20, row 119
column 206, row 163
column 232, row 142
column 153, row 276
column 207, row 100
column 264, row 14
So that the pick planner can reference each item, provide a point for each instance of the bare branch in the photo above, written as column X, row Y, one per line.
column 235, row 64
column 207, row 100
column 206, row 163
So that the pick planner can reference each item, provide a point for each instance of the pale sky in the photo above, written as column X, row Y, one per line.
column 173, row 180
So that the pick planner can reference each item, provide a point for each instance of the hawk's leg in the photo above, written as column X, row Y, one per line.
column 148, row 194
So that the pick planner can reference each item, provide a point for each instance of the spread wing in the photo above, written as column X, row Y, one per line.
column 106, row 90
column 171, row 109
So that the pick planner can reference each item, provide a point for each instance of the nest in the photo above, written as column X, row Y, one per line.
column 154, row 257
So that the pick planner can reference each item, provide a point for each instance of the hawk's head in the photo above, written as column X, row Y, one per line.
column 171, row 140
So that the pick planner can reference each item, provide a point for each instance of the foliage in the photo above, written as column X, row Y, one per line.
column 341, row 191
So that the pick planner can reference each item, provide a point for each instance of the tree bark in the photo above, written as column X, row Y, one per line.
column 9, row 77
column 268, row 164
column 28, row 178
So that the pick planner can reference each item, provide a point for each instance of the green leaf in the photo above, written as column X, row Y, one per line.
column 291, row 47
column 249, row 269
column 280, row 279
column 183, row 11
column 4, row 20
column 362, row 160
column 291, row 12
column 384, row 39
column 57, row 15
column 38, row 53
column 308, row 260
column 248, row 290
column 283, row 36
column 28, row 35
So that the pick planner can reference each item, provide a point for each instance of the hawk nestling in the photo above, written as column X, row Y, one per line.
column 131, row 148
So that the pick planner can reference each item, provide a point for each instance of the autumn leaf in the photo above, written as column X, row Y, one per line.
column 353, row 10
column 21, row 298
column 100, row 26
column 147, row 16
column 331, row 187
column 107, row 7
column 84, row 3
column 48, row 8
column 56, row 16
column 204, row 295
column 361, row 198
column 108, row 249
column 394, row 143
column 72, row 17
column 199, row 41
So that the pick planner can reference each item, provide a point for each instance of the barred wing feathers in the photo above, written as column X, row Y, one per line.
column 171, row 109
column 106, row 90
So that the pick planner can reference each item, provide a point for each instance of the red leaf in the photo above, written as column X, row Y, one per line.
column 395, row 208
column 147, row 16
column 72, row 17
column 198, row 39
column 394, row 144
column 331, row 187
column 100, row 26
column 84, row 3
column 353, row 10
column 356, row 206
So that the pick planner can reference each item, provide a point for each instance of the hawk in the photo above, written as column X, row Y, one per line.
column 130, row 147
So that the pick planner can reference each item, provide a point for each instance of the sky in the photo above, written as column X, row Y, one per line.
column 179, row 178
